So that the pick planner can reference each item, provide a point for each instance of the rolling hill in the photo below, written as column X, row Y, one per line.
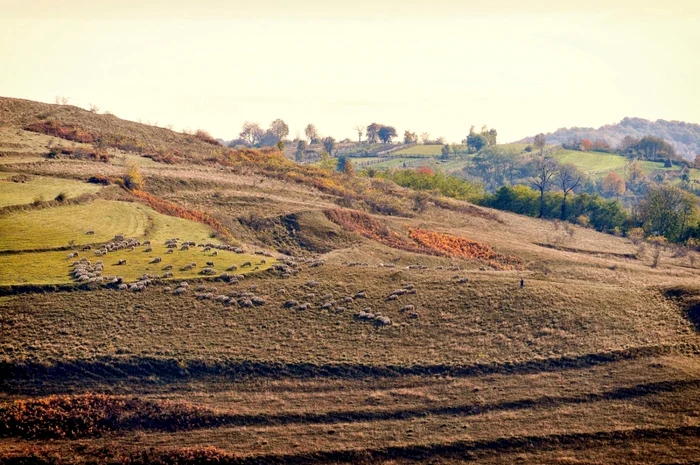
column 270, row 312
column 685, row 137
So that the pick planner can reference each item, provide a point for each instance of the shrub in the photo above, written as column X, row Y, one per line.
column 64, row 131
column 61, row 197
column 204, row 136
column 133, row 180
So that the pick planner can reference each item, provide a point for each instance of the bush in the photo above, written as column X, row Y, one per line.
column 204, row 136
column 61, row 197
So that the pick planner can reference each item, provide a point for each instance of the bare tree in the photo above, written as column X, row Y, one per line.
column 544, row 171
column 569, row 178
column 360, row 131
column 279, row 129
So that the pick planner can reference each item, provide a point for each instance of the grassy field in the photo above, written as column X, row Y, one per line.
column 55, row 268
column 61, row 226
column 39, row 187
column 592, row 163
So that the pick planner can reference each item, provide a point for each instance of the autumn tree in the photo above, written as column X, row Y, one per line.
column 372, row 133
column 540, row 142
column 386, row 133
column 279, row 129
column 569, row 178
column 329, row 145
column 544, row 169
column 586, row 145
column 635, row 172
column 252, row 133
column 613, row 185
column 425, row 137
column 133, row 179
column 409, row 137
column 311, row 134
column 345, row 166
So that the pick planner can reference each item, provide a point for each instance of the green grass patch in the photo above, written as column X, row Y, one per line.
column 55, row 268
column 592, row 163
column 58, row 227
column 39, row 187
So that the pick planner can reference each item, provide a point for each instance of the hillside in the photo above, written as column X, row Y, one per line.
column 240, row 308
column 685, row 137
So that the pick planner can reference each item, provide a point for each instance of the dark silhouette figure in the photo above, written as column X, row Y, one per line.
column 522, row 283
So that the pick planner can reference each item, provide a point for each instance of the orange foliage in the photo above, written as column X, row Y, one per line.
column 426, row 170
column 169, row 208
column 364, row 225
column 586, row 145
column 89, row 415
column 462, row 247
column 52, row 128
column 423, row 241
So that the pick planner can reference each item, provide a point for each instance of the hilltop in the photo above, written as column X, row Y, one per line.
column 685, row 137
column 164, row 298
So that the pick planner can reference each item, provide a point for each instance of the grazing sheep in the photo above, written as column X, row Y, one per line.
column 326, row 306
column 90, row 233
column 166, row 289
column 257, row 301
column 187, row 267
column 462, row 280
column 146, row 242
column 304, row 306
column 408, row 287
column 407, row 308
column 413, row 315
column 263, row 262
column 69, row 256
column 393, row 297
column 361, row 295
column 348, row 300
column 340, row 309
column 327, row 296
column 232, row 268
column 215, row 253
column 290, row 303
column 207, row 249
column 123, row 287
column 208, row 271
column 383, row 321
column 210, row 263
column 245, row 303
column 246, row 265
column 311, row 283
column 157, row 260
column 122, row 261
column 200, row 288
column 170, row 251
column 183, row 284
column 185, row 247
column 168, row 267
column 87, row 247
column 238, row 250
column 180, row 290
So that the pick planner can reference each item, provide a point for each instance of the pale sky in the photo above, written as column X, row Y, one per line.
column 434, row 66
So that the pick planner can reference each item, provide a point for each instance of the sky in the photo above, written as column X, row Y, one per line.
column 438, row 66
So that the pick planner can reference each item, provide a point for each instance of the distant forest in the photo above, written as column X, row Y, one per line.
column 684, row 137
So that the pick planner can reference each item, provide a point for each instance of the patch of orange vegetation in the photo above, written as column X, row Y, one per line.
column 463, row 247
column 172, row 209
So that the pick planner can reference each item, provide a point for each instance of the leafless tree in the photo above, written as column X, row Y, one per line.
column 544, row 168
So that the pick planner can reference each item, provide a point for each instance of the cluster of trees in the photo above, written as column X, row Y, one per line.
column 683, row 137
column 663, row 211
column 476, row 141
column 252, row 135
